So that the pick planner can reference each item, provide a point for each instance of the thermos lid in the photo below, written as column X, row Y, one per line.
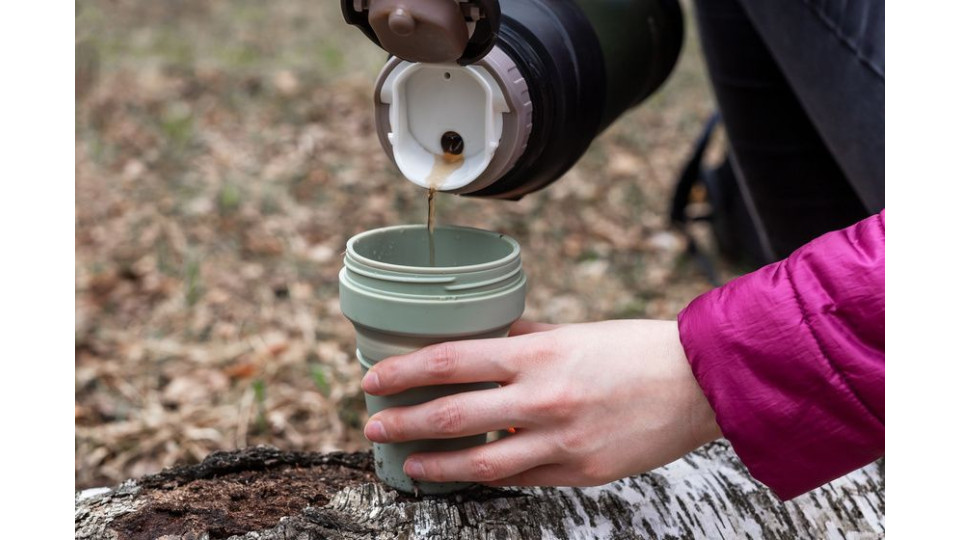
column 432, row 31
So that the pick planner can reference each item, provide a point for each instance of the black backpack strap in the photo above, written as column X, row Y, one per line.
column 735, row 233
column 692, row 172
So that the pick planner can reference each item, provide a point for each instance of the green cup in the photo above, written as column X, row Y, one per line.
column 398, row 302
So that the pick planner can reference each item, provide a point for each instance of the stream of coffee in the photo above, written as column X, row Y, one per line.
column 443, row 167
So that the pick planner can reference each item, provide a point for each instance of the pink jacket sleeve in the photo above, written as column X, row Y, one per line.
column 791, row 357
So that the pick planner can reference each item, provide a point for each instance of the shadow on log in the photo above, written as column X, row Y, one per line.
column 265, row 494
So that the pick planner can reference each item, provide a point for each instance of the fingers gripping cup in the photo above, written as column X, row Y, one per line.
column 398, row 303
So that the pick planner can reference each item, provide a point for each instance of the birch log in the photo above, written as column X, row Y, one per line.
column 265, row 494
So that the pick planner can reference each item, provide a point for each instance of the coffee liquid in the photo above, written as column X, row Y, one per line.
column 443, row 167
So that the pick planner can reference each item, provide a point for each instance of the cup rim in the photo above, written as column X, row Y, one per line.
column 373, row 263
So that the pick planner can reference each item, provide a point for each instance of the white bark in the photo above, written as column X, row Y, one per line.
column 708, row 494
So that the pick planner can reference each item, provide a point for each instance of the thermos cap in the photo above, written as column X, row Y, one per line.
column 421, row 30
column 432, row 31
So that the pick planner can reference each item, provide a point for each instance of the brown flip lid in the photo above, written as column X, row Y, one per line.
column 420, row 30
column 434, row 31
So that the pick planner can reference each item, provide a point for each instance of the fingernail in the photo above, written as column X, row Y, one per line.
column 375, row 431
column 370, row 383
column 414, row 468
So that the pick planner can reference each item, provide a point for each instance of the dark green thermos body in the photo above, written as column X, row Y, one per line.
column 522, row 87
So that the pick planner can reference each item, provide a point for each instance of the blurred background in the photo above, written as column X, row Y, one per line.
column 225, row 152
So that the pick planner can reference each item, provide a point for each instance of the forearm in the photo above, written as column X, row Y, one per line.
column 791, row 358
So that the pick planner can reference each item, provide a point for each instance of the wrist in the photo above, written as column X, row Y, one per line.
column 702, row 424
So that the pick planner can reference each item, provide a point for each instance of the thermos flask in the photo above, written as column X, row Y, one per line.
column 524, row 85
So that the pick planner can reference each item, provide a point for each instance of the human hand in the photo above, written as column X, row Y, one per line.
column 591, row 403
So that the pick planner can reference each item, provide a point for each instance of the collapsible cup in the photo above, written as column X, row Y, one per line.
column 399, row 302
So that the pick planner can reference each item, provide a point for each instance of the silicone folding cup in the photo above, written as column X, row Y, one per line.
column 399, row 303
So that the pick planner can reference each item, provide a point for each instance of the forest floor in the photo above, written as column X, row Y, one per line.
column 225, row 152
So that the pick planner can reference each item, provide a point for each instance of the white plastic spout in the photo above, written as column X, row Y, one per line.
column 428, row 100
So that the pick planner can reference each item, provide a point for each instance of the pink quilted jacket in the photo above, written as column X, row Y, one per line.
column 791, row 357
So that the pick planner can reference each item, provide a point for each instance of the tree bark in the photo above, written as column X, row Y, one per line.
column 265, row 494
